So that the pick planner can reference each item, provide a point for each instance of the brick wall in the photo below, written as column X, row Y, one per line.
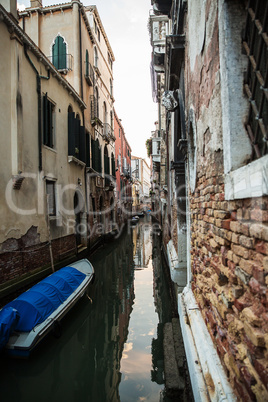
column 22, row 260
column 230, row 265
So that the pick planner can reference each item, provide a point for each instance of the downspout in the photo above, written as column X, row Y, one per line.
column 82, row 96
column 38, row 89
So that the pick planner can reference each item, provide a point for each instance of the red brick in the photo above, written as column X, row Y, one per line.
column 241, row 391
column 262, row 247
column 259, row 215
column 248, row 380
column 242, row 302
column 225, row 224
column 261, row 368
column 258, row 274
column 254, row 286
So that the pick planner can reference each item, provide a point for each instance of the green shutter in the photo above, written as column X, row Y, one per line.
column 62, row 53
column 59, row 53
column 45, row 120
column 82, row 144
column 71, row 134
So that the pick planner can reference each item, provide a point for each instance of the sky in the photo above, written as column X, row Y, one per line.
column 125, row 23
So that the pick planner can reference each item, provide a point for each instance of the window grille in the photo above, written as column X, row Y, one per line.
column 50, row 191
column 255, row 43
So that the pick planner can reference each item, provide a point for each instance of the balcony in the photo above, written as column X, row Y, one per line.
column 156, row 150
column 63, row 64
column 158, row 32
column 162, row 6
column 94, row 111
column 90, row 75
column 108, row 133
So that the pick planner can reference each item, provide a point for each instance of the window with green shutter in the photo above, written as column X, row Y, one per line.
column 48, row 122
column 59, row 53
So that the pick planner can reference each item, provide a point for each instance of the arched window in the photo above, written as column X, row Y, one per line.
column 112, row 120
column 97, row 102
column 96, row 155
column 104, row 113
column 111, row 87
column 113, row 165
column 96, row 57
column 106, row 166
column 59, row 53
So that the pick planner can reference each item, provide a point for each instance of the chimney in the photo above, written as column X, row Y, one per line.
column 36, row 4
column 10, row 6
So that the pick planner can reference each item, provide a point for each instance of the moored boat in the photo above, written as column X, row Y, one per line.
column 36, row 312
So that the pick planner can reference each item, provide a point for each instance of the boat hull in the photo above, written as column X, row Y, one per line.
column 21, row 344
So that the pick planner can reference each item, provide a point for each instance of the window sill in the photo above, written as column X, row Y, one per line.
column 49, row 148
column 248, row 181
column 76, row 161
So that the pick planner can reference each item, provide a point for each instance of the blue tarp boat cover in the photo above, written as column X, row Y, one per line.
column 37, row 303
column 9, row 318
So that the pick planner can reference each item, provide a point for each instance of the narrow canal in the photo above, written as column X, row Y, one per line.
column 110, row 348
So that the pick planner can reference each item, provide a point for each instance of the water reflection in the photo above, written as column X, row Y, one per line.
column 84, row 363
column 110, row 349
column 137, row 383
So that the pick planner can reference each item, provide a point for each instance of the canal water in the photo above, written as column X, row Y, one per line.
column 110, row 348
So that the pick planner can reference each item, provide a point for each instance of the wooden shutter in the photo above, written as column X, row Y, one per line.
column 87, row 150
column 59, row 53
column 45, row 120
column 71, row 134
column 82, row 144
column 62, row 53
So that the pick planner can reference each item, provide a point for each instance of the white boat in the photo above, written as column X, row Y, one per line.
column 38, row 311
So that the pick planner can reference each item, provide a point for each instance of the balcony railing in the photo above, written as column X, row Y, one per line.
column 90, row 75
column 108, row 133
column 63, row 63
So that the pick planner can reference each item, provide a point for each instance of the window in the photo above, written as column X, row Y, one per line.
column 51, row 197
column 255, row 84
column 111, row 120
column 59, row 53
column 96, row 155
column 96, row 57
column 48, row 122
column 97, row 102
column 76, row 137
column 87, row 64
column 137, row 169
column 104, row 113
column 244, row 116
column 111, row 87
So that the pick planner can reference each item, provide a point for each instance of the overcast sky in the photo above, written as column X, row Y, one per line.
column 125, row 23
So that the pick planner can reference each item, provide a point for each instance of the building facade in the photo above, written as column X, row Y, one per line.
column 141, row 175
column 123, row 172
column 73, row 38
column 214, row 66
column 42, row 183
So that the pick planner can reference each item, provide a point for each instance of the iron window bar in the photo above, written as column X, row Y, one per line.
column 255, row 43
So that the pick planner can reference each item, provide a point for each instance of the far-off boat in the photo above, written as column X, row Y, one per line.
column 25, row 321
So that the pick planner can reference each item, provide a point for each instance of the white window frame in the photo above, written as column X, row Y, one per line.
column 242, row 179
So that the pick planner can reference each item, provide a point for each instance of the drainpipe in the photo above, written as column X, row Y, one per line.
column 38, row 89
column 82, row 96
